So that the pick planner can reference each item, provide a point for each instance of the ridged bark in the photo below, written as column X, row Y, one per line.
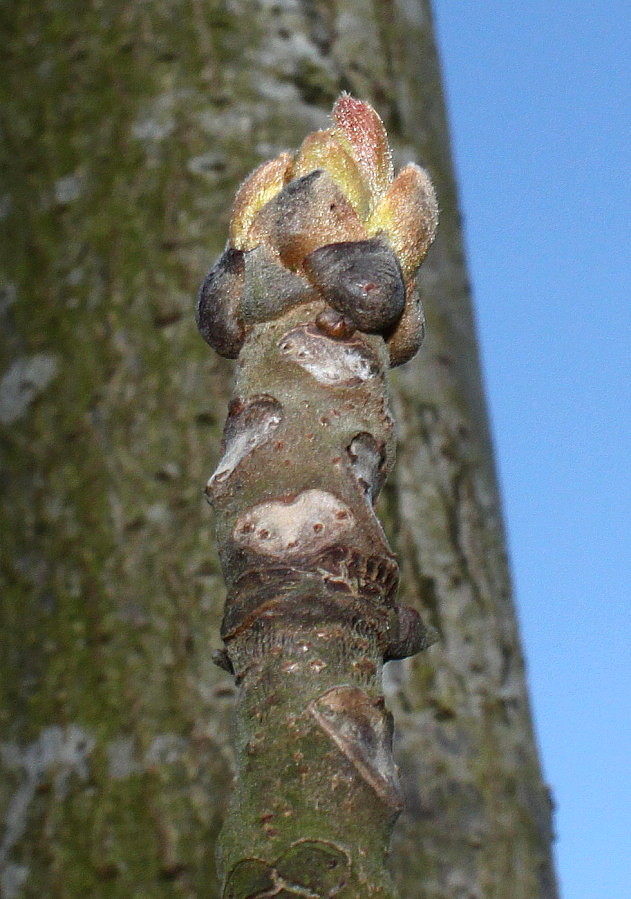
column 126, row 128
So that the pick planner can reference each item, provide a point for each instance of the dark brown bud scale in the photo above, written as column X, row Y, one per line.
column 362, row 280
column 217, row 311
column 411, row 635
column 307, row 213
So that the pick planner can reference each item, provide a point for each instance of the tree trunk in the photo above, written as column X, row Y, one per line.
column 127, row 126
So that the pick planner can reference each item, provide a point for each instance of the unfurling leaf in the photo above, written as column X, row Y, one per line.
column 408, row 216
column 259, row 187
column 321, row 150
column 360, row 129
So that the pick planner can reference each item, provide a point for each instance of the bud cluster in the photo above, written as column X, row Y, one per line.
column 330, row 223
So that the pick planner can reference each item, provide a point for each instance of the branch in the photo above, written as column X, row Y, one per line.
column 316, row 297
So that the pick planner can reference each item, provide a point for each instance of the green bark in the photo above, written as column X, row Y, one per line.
column 126, row 127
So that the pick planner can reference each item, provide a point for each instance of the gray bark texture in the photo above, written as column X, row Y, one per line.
column 126, row 127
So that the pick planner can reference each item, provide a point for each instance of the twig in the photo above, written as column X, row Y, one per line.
column 315, row 295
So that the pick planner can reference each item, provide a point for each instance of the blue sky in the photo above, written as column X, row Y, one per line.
column 540, row 108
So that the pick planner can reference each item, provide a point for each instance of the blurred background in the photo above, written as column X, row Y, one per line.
column 539, row 99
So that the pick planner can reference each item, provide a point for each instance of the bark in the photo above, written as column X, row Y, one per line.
column 126, row 127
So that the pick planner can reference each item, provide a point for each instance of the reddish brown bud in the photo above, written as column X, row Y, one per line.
column 334, row 324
